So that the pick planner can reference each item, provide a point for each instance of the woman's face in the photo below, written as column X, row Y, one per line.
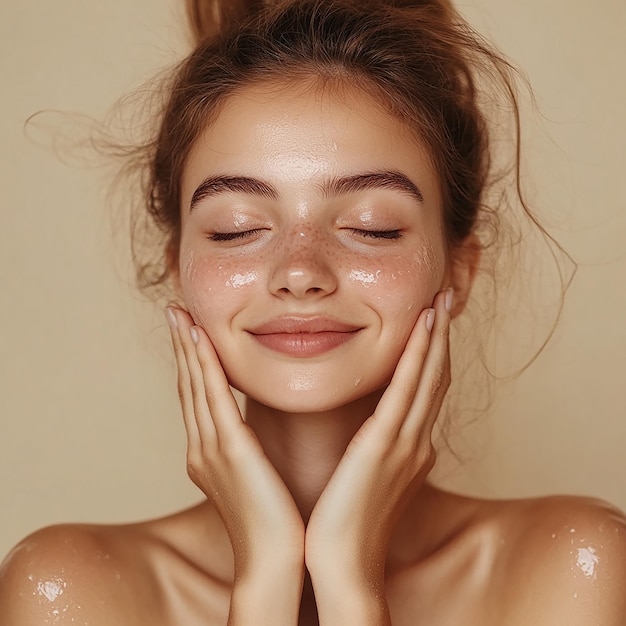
column 311, row 240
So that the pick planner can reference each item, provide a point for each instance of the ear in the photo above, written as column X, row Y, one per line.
column 464, row 261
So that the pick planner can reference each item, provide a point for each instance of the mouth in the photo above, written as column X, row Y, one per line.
column 304, row 336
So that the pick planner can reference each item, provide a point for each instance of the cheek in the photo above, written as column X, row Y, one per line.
column 401, row 284
column 428, row 269
column 214, row 287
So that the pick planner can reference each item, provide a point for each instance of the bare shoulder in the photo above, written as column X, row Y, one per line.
column 562, row 560
column 75, row 574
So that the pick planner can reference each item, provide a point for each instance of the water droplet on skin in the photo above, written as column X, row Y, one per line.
column 587, row 561
column 51, row 589
column 553, row 535
column 575, row 594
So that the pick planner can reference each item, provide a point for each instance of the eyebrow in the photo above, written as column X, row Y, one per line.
column 215, row 185
column 373, row 180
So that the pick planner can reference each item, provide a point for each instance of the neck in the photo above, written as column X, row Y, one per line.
column 305, row 448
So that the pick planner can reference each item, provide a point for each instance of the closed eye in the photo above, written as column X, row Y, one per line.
column 243, row 234
column 233, row 236
column 378, row 234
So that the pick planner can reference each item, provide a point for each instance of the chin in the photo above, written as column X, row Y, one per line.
column 315, row 400
column 294, row 401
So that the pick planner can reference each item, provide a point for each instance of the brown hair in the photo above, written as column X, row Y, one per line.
column 418, row 58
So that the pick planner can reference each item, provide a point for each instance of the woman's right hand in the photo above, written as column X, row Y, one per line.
column 226, row 461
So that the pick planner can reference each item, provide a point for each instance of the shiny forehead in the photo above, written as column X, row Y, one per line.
column 286, row 104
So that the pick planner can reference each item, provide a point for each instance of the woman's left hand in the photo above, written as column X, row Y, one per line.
column 384, row 465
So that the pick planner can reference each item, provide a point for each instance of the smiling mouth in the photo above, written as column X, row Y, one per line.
column 304, row 337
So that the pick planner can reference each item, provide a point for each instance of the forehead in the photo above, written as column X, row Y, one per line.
column 303, row 130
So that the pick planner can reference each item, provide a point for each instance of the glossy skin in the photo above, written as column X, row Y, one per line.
column 309, row 252
column 317, row 507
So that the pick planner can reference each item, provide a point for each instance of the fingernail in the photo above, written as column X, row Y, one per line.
column 194, row 335
column 171, row 317
column 430, row 319
column 448, row 300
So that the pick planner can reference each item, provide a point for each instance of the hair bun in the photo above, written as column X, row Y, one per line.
column 208, row 18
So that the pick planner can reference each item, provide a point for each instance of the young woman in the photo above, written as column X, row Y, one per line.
column 320, row 173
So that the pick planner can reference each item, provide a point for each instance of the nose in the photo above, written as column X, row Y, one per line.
column 302, row 267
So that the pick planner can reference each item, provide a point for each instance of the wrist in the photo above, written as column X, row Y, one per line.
column 260, row 556
column 265, row 565
column 364, row 569
column 266, row 594
column 350, row 601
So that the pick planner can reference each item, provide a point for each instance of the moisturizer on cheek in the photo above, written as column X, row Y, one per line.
column 190, row 267
column 191, row 276
column 363, row 278
column 426, row 258
column 241, row 280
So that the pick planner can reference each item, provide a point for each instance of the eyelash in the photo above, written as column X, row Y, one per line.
column 370, row 234
column 234, row 235
column 378, row 234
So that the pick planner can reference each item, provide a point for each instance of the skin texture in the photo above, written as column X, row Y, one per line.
column 317, row 507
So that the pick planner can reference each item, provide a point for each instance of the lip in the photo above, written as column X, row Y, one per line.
column 304, row 336
column 294, row 324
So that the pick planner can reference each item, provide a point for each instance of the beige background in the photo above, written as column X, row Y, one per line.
column 90, row 426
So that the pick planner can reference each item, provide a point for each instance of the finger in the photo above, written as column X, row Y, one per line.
column 220, row 399
column 183, row 380
column 200, row 408
column 398, row 398
column 434, row 379
column 198, row 414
